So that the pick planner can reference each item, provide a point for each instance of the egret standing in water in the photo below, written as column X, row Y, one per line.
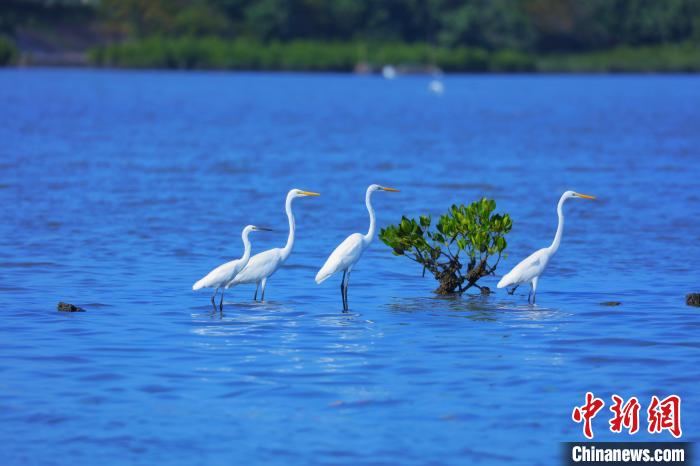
column 224, row 273
column 436, row 87
column 530, row 269
column 261, row 266
column 389, row 72
column 349, row 252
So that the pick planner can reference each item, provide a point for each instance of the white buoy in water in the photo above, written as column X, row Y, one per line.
column 389, row 72
column 436, row 87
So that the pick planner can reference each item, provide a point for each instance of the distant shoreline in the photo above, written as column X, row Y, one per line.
column 88, row 67
column 360, row 36
column 359, row 58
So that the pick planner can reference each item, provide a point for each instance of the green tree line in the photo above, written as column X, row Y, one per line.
column 464, row 35
column 523, row 25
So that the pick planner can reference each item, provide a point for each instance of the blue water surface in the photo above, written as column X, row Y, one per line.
column 121, row 188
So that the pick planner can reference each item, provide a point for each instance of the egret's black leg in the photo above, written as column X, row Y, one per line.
column 346, row 282
column 534, row 289
column 342, row 288
column 255, row 297
column 221, row 302
column 512, row 290
column 213, row 304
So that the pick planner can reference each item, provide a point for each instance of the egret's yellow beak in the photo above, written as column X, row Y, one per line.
column 309, row 193
column 390, row 190
column 586, row 196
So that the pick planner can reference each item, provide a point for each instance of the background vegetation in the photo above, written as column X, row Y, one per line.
column 8, row 52
column 466, row 35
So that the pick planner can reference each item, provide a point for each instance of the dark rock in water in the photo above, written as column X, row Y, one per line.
column 67, row 307
column 611, row 303
column 693, row 299
column 485, row 290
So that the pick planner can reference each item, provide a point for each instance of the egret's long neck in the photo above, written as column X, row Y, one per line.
column 246, row 246
column 287, row 250
column 560, row 226
column 372, row 220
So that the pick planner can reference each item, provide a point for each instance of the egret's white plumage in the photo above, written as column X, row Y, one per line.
column 346, row 255
column 436, row 87
column 389, row 72
column 261, row 266
column 224, row 273
column 530, row 268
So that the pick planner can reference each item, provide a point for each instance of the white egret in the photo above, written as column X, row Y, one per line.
column 223, row 274
column 349, row 251
column 530, row 269
column 389, row 72
column 436, row 87
column 262, row 265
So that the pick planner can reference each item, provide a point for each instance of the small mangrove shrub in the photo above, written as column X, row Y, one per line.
column 465, row 245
